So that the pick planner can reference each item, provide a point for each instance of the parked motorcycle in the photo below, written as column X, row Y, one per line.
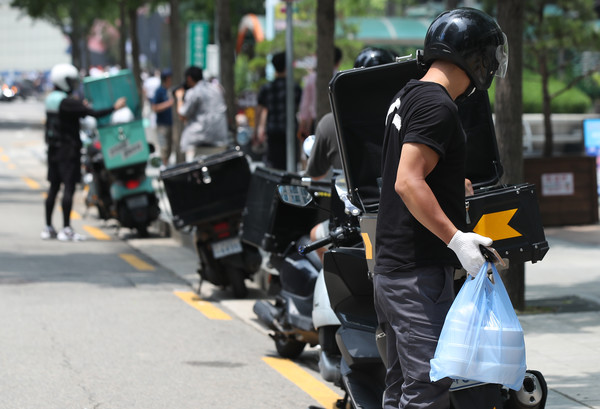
column 123, row 193
column 95, row 176
column 122, row 145
column 224, row 260
column 360, row 354
column 289, row 316
column 209, row 196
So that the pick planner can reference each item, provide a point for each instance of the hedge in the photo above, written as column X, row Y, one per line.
column 572, row 101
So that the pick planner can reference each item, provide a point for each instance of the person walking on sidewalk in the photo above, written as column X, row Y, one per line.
column 420, row 237
column 271, row 124
column 162, row 105
column 63, row 112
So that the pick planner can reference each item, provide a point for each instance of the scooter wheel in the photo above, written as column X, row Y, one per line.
column 237, row 279
column 289, row 348
column 142, row 231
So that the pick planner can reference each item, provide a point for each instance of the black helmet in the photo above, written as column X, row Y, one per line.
column 470, row 39
column 371, row 56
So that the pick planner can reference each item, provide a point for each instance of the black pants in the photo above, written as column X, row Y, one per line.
column 68, row 174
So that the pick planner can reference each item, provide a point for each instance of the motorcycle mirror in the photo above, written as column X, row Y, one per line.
column 308, row 144
column 342, row 190
column 155, row 161
column 294, row 195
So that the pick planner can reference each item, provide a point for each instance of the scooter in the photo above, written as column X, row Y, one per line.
column 208, row 196
column 224, row 259
column 123, row 193
column 360, row 343
column 290, row 315
column 96, row 178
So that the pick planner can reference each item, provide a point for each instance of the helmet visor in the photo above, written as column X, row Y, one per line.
column 502, row 57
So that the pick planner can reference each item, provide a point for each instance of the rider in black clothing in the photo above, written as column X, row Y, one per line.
column 421, row 236
column 63, row 112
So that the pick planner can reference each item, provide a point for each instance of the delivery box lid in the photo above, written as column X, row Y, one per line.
column 360, row 99
column 103, row 91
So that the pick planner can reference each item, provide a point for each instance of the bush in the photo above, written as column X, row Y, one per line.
column 572, row 101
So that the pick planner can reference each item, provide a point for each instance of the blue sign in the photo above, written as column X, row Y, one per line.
column 591, row 136
column 591, row 140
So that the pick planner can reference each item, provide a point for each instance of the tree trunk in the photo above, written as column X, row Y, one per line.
column 452, row 4
column 226, row 58
column 177, row 64
column 390, row 8
column 135, row 51
column 546, row 109
column 123, row 34
column 75, row 35
column 509, row 127
column 325, row 53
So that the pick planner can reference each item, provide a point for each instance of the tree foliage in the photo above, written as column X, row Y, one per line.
column 555, row 29
column 72, row 17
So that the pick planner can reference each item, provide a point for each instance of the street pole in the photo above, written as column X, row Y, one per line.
column 289, row 83
column 270, row 33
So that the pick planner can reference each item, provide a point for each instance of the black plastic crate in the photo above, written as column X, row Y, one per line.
column 271, row 224
column 510, row 216
column 208, row 189
column 360, row 99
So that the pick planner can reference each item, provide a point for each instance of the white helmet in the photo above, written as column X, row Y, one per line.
column 64, row 77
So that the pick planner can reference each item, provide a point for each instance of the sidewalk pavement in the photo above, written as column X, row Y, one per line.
column 562, row 334
column 564, row 342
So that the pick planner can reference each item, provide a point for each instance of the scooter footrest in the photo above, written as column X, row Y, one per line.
column 357, row 347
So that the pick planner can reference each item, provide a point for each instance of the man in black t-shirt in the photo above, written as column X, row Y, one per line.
column 420, row 239
column 63, row 112
column 272, row 115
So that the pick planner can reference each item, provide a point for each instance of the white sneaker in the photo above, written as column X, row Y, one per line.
column 67, row 234
column 48, row 233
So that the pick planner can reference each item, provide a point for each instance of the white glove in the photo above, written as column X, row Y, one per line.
column 466, row 247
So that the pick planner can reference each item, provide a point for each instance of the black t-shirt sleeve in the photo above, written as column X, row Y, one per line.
column 431, row 125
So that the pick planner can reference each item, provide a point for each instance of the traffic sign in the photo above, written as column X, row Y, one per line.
column 197, row 43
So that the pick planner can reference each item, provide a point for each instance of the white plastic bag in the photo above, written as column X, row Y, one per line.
column 482, row 339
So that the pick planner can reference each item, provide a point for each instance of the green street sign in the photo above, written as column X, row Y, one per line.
column 197, row 42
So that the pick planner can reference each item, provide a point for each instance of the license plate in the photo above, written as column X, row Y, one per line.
column 227, row 247
column 137, row 201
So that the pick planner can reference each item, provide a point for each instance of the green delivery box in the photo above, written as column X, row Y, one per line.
column 102, row 92
column 124, row 144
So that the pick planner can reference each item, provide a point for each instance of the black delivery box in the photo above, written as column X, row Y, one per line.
column 272, row 224
column 360, row 99
column 208, row 189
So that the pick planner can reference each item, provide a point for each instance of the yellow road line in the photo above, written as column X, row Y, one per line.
column 96, row 233
column 136, row 262
column 11, row 166
column 305, row 381
column 206, row 308
column 31, row 183
column 75, row 215
column 4, row 158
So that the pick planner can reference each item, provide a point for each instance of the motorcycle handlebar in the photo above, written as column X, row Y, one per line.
column 336, row 235
column 303, row 250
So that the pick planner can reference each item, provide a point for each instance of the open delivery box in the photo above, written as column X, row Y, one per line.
column 509, row 214
column 123, row 144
